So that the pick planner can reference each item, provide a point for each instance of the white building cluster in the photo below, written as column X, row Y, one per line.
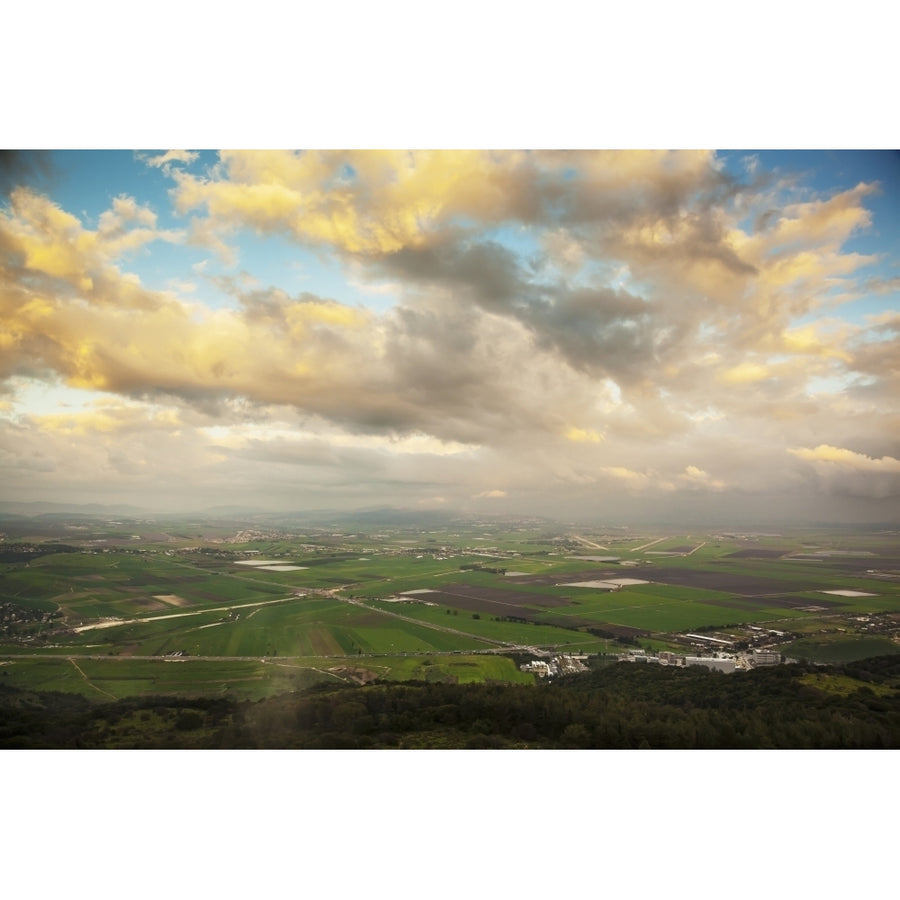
column 721, row 663
column 559, row 665
column 566, row 665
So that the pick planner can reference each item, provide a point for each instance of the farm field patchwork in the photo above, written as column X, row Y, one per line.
column 347, row 599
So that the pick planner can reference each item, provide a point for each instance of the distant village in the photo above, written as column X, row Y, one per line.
column 567, row 665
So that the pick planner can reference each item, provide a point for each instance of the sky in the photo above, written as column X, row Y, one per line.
column 604, row 335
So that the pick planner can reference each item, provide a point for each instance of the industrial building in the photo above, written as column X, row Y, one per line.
column 713, row 663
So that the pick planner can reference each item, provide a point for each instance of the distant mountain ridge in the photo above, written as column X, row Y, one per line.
column 42, row 508
column 376, row 516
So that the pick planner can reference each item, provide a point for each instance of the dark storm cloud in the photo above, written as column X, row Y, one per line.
column 486, row 272
column 25, row 167
column 612, row 189
column 602, row 331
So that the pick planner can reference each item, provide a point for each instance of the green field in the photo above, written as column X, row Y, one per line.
column 841, row 650
column 107, row 679
column 465, row 669
column 115, row 678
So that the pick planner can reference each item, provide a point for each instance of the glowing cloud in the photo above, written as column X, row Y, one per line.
column 629, row 476
column 848, row 459
column 745, row 373
column 696, row 477
column 363, row 202
column 584, row 435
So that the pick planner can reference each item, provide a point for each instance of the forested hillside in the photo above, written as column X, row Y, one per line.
column 620, row 706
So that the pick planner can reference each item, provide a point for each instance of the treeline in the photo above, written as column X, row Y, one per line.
column 15, row 553
column 620, row 706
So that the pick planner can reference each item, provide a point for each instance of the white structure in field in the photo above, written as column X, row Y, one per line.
column 709, row 640
column 766, row 658
column 540, row 668
column 559, row 665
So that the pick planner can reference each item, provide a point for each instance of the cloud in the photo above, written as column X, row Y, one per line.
column 842, row 471
column 583, row 435
column 629, row 476
column 108, row 418
column 48, row 251
column 668, row 219
column 595, row 326
column 823, row 222
column 376, row 374
column 848, row 459
column 598, row 330
column 879, row 285
column 163, row 160
column 697, row 478
column 361, row 202
column 745, row 373
column 19, row 168
column 490, row 495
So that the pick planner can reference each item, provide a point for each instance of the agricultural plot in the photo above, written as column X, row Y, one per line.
column 116, row 678
column 886, row 600
column 563, row 574
column 757, row 553
column 459, row 669
column 491, row 598
column 839, row 649
column 476, row 604
column 731, row 582
column 647, row 610
column 408, row 637
column 776, row 606
column 453, row 616
column 377, row 576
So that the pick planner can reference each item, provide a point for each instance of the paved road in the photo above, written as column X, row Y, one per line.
column 587, row 543
column 645, row 546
